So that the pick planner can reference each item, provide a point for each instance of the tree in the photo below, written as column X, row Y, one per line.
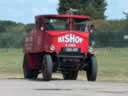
column 11, row 26
column 29, row 27
column 93, row 8
column 2, row 28
column 126, row 14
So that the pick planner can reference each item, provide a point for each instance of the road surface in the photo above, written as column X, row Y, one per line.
column 20, row 87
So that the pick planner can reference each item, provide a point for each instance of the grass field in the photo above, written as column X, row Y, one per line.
column 10, row 63
column 112, row 64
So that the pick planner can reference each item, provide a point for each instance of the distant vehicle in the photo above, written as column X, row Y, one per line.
column 59, row 43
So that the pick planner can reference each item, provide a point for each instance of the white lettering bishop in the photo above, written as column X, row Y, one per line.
column 70, row 38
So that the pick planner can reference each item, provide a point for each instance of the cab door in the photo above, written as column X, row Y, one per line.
column 39, row 35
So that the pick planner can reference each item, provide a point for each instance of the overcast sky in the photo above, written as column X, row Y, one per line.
column 25, row 10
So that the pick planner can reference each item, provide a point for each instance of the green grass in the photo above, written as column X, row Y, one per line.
column 10, row 62
column 112, row 64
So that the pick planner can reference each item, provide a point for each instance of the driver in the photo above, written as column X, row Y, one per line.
column 49, row 25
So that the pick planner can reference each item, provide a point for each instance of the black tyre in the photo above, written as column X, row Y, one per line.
column 70, row 75
column 92, row 69
column 47, row 67
column 28, row 72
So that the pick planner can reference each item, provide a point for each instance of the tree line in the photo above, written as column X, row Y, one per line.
column 12, row 33
column 11, row 26
column 113, row 33
column 107, row 33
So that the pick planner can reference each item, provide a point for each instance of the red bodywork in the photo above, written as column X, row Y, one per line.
column 59, row 43
column 42, row 40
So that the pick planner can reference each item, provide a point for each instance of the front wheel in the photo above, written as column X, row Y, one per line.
column 92, row 69
column 28, row 72
column 47, row 67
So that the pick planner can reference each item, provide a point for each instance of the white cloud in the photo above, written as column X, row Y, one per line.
column 36, row 11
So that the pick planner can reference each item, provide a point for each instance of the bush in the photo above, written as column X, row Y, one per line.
column 110, row 33
column 11, row 39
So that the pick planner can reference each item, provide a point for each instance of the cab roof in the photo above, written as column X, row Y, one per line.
column 63, row 16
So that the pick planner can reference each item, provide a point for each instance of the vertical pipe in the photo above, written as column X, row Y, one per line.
column 70, row 21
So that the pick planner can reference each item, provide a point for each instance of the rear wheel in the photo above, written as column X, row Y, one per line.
column 70, row 75
column 92, row 69
column 28, row 72
column 47, row 67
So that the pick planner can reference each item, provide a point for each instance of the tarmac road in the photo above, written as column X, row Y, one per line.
column 22, row 87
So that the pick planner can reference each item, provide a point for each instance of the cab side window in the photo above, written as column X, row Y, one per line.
column 39, row 24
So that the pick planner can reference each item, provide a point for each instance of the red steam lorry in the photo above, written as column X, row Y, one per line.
column 59, row 43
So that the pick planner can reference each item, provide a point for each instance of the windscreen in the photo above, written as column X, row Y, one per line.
column 57, row 23
column 80, row 25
